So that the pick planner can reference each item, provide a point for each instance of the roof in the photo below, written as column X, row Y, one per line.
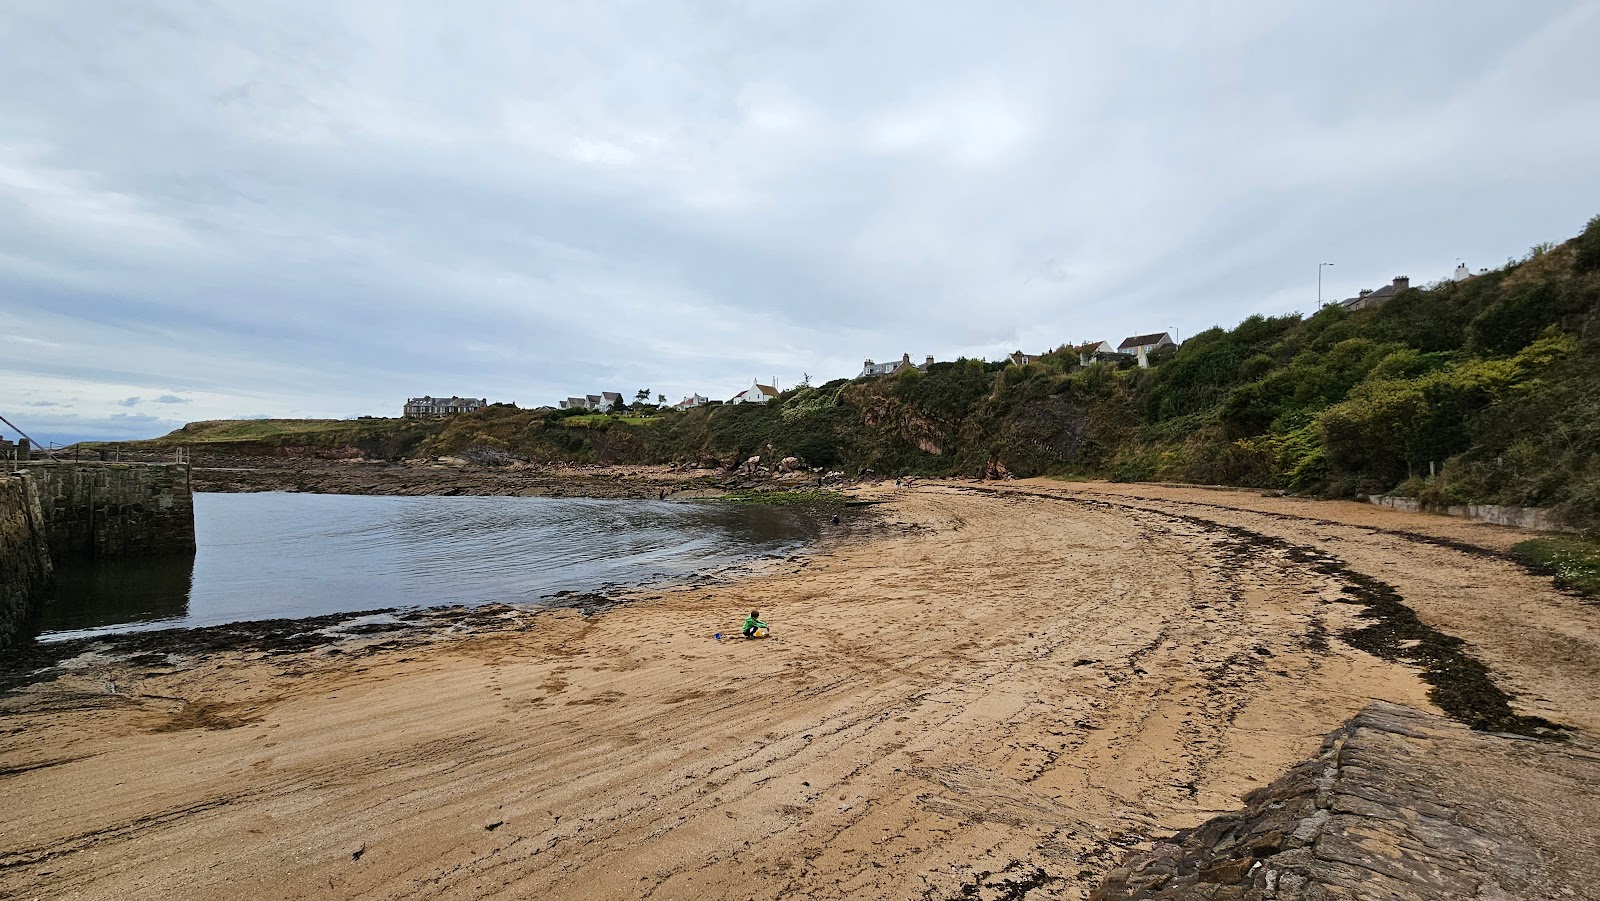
column 1380, row 294
column 768, row 390
column 448, row 401
column 1144, row 340
column 1088, row 347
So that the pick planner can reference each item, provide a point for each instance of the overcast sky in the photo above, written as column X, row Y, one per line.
column 217, row 210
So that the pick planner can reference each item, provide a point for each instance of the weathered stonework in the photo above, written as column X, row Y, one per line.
column 1534, row 518
column 25, row 570
column 116, row 509
column 1401, row 805
column 54, row 513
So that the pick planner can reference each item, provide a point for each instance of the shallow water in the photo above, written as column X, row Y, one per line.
column 272, row 555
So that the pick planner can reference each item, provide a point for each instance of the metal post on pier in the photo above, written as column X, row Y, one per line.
column 9, row 424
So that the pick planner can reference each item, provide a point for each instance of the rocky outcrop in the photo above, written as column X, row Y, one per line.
column 1399, row 805
column 25, row 570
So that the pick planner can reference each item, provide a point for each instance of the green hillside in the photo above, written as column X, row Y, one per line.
column 1492, row 384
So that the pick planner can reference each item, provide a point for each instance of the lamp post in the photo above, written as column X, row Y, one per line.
column 1319, row 283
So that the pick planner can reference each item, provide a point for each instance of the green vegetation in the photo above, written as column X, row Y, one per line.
column 785, row 498
column 1572, row 562
column 1481, row 391
column 596, row 419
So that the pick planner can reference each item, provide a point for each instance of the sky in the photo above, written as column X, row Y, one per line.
column 244, row 209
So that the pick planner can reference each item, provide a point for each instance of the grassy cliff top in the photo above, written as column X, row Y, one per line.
column 224, row 430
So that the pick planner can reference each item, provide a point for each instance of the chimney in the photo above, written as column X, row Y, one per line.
column 905, row 359
column 868, row 364
column 928, row 364
column 1364, row 292
column 1402, row 282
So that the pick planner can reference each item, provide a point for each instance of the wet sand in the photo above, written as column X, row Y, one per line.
column 998, row 697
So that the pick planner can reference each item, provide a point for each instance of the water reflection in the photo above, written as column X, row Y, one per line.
column 264, row 556
column 89, row 596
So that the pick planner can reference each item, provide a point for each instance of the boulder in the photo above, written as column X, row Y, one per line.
column 790, row 464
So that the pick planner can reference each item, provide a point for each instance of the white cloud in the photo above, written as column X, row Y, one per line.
column 322, row 208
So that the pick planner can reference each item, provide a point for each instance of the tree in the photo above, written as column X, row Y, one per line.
column 661, row 398
column 642, row 395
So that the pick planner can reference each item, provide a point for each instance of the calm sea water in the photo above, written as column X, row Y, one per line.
column 265, row 556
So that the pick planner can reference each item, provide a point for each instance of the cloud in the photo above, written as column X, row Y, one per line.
column 43, row 403
column 332, row 207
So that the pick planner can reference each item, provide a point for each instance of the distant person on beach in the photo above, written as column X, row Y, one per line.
column 754, row 623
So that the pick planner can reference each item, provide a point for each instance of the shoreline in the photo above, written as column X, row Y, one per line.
column 454, row 476
column 997, row 694
column 35, row 658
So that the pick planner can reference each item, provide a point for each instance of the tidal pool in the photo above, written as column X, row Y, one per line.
column 276, row 555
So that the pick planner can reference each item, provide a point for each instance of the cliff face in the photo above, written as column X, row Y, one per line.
column 25, row 571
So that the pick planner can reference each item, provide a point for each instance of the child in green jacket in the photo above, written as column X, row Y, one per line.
column 753, row 623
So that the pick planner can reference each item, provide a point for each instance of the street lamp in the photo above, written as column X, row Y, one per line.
column 1319, row 283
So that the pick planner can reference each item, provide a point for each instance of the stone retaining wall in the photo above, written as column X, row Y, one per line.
column 25, row 570
column 1518, row 517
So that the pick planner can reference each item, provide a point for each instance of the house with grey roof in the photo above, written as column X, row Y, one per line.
column 603, row 402
column 870, row 368
column 1368, row 300
column 1142, row 346
column 435, row 407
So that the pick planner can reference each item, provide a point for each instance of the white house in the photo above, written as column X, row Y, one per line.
column 1093, row 351
column 755, row 394
column 1142, row 346
column 602, row 402
column 692, row 401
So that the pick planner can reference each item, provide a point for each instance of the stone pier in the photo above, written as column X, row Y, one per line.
column 25, row 570
column 54, row 514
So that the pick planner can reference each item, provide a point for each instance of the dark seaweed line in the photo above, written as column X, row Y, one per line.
column 1472, row 550
column 1458, row 683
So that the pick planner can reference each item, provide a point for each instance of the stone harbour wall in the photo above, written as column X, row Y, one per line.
column 52, row 514
column 116, row 509
column 25, row 569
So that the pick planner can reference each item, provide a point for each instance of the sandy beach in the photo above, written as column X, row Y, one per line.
column 997, row 696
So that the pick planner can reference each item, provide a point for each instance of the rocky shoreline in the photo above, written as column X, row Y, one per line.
column 456, row 476
column 1400, row 804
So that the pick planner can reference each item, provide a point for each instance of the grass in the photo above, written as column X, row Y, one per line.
column 590, row 419
column 1572, row 562
column 228, row 430
column 804, row 497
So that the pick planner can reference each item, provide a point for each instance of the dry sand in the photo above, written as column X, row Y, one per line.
column 995, row 701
